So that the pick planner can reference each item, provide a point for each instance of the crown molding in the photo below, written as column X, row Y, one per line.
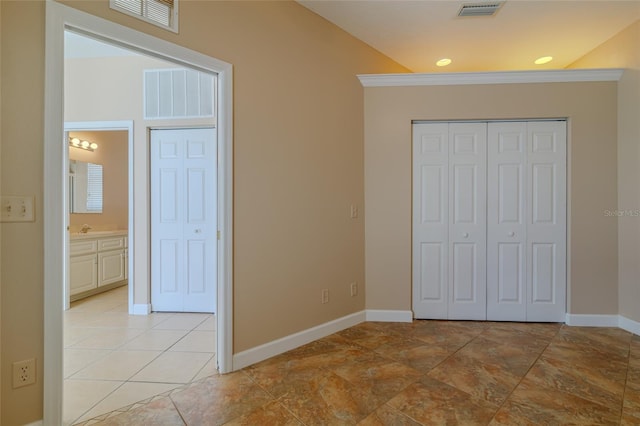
column 501, row 77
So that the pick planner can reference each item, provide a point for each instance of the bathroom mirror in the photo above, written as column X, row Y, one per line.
column 85, row 187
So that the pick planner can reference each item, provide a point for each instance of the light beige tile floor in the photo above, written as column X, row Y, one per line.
column 113, row 359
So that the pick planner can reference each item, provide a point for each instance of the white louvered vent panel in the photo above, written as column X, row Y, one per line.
column 178, row 93
column 480, row 9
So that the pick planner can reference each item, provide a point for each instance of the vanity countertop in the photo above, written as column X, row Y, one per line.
column 97, row 234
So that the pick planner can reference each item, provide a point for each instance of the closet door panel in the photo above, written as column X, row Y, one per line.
column 467, row 220
column 546, row 229
column 506, row 221
column 430, row 272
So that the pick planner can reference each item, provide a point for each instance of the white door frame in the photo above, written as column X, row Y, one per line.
column 59, row 18
column 101, row 126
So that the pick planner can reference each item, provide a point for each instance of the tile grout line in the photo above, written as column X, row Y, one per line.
column 119, row 348
column 526, row 373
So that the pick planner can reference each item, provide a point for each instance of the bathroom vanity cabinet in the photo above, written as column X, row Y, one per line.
column 98, row 262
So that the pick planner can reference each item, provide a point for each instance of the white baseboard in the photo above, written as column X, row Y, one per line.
column 36, row 423
column 587, row 320
column 603, row 321
column 630, row 325
column 141, row 309
column 268, row 350
column 389, row 316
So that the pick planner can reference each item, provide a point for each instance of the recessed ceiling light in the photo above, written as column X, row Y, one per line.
column 543, row 60
column 443, row 62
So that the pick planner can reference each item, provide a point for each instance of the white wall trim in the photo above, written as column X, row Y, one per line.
column 276, row 347
column 389, row 315
column 141, row 309
column 629, row 325
column 284, row 344
column 36, row 423
column 587, row 320
column 501, row 77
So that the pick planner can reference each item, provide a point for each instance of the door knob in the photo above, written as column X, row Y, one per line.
column 465, row 234
column 511, row 234
column 198, row 231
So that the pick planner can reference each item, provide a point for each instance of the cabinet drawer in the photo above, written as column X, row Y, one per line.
column 111, row 243
column 82, row 247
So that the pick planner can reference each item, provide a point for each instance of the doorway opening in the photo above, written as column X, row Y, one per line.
column 60, row 19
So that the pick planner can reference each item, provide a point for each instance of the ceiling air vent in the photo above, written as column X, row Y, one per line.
column 480, row 9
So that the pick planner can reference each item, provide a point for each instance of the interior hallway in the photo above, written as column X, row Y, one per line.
column 420, row 373
column 113, row 359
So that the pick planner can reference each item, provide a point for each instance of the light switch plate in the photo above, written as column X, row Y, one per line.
column 17, row 208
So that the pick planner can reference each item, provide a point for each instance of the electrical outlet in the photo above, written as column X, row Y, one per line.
column 325, row 295
column 354, row 211
column 354, row 289
column 24, row 372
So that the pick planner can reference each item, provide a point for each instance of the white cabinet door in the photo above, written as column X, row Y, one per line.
column 111, row 267
column 83, row 273
column 183, row 220
column 430, row 220
column 506, row 222
column 547, row 224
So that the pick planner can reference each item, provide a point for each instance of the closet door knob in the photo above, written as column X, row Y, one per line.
column 465, row 234
column 511, row 234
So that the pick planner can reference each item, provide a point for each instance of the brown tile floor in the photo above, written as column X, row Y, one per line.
column 422, row 373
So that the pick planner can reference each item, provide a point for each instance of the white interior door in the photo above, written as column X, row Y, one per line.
column 449, row 216
column 183, row 220
column 430, row 220
column 489, row 221
column 506, row 222
column 467, row 220
column 547, row 224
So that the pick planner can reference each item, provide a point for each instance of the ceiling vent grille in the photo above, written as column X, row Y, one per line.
column 480, row 9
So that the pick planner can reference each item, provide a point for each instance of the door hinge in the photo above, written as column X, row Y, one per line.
column 218, row 234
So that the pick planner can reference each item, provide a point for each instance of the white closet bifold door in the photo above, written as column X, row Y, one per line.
column 430, row 220
column 547, row 223
column 467, row 220
column 489, row 221
column 449, row 220
column 507, row 222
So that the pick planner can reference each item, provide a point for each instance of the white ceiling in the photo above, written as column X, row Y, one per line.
column 79, row 46
column 418, row 33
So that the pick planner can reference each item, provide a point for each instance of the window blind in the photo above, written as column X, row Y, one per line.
column 94, row 187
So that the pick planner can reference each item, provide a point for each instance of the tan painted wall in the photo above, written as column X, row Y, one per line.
column 623, row 51
column 22, row 173
column 298, row 123
column 112, row 153
column 591, row 109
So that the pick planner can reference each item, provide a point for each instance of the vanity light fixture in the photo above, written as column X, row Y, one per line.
column 77, row 143
column 543, row 60
column 443, row 62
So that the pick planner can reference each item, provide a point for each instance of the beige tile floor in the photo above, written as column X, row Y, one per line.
column 419, row 373
column 113, row 359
